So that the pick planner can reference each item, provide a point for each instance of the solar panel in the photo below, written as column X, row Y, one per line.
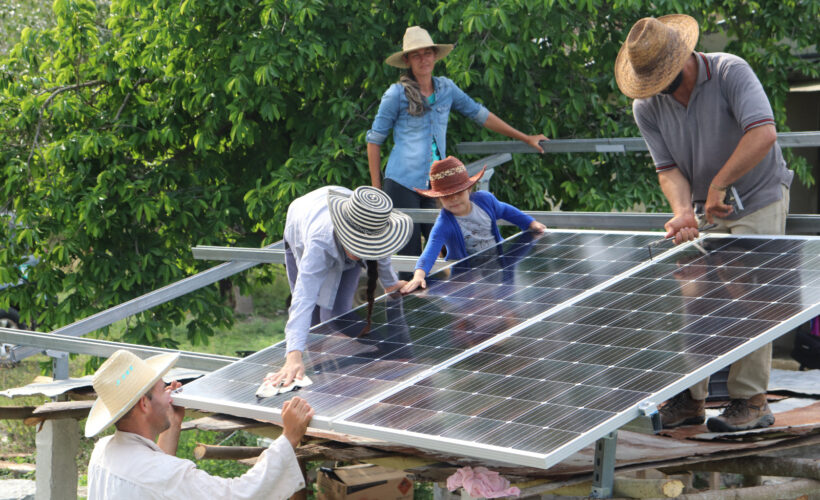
column 530, row 356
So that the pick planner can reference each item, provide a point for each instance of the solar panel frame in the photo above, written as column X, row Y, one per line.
column 415, row 431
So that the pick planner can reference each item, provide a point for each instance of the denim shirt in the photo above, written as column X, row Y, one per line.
column 411, row 157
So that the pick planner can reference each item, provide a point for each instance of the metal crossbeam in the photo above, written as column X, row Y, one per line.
column 610, row 145
column 795, row 223
column 105, row 348
column 277, row 256
column 143, row 303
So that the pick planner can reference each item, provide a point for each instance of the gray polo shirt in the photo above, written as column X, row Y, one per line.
column 727, row 101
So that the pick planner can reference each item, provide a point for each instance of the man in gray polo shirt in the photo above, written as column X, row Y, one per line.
column 709, row 126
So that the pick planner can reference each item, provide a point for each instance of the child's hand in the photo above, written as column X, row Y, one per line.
column 418, row 280
column 399, row 284
column 537, row 228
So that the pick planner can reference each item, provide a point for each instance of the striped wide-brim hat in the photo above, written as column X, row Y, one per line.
column 366, row 224
column 653, row 54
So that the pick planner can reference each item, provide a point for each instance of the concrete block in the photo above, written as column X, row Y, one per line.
column 57, row 446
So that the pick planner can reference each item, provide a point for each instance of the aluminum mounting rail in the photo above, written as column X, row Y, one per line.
column 628, row 221
column 277, row 256
column 105, row 348
column 144, row 302
column 610, row 145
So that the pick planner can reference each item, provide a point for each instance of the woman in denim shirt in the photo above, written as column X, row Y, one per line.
column 417, row 109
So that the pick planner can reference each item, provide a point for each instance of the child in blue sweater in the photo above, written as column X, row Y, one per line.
column 467, row 223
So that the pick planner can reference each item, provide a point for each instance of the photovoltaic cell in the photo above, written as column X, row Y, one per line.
column 533, row 354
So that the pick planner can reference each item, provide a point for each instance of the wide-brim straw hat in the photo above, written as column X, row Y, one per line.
column 653, row 54
column 449, row 176
column 415, row 38
column 366, row 224
column 120, row 382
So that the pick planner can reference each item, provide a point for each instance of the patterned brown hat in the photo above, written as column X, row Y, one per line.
column 449, row 176
column 653, row 54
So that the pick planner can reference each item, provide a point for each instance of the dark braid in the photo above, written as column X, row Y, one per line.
column 372, row 278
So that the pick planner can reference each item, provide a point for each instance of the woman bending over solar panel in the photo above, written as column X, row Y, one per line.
column 467, row 221
column 330, row 235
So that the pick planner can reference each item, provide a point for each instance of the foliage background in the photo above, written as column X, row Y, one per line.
column 135, row 129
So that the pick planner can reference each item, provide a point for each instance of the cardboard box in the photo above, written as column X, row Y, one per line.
column 363, row 482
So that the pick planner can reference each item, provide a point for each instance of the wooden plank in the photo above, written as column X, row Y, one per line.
column 17, row 467
column 222, row 423
column 324, row 451
column 15, row 412
column 60, row 409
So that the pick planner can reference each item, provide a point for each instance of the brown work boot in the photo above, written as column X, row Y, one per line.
column 682, row 410
column 743, row 414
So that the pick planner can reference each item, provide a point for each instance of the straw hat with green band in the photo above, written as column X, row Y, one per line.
column 415, row 38
column 653, row 54
column 366, row 224
column 120, row 382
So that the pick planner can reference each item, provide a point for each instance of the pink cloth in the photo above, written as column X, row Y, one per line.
column 481, row 482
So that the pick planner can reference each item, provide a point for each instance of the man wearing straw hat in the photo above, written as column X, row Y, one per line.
column 710, row 130
column 139, row 460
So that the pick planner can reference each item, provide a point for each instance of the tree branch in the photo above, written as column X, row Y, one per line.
column 55, row 93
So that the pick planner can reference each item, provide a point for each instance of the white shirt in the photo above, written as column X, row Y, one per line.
column 320, row 261
column 127, row 466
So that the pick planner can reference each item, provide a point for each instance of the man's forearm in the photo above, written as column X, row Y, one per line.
column 677, row 191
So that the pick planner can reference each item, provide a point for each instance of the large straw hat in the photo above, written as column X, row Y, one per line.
column 416, row 37
column 120, row 382
column 653, row 54
column 366, row 224
column 449, row 176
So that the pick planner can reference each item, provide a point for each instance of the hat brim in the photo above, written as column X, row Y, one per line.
column 644, row 86
column 396, row 234
column 432, row 193
column 100, row 416
column 397, row 59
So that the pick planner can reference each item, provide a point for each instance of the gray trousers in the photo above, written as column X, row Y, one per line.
column 344, row 295
column 750, row 374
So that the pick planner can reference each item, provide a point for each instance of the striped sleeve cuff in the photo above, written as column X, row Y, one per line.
column 757, row 123
column 664, row 168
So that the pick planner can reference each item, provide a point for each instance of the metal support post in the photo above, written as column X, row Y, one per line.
column 484, row 182
column 59, row 364
column 603, row 476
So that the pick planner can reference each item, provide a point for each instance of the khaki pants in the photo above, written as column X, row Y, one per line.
column 750, row 375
